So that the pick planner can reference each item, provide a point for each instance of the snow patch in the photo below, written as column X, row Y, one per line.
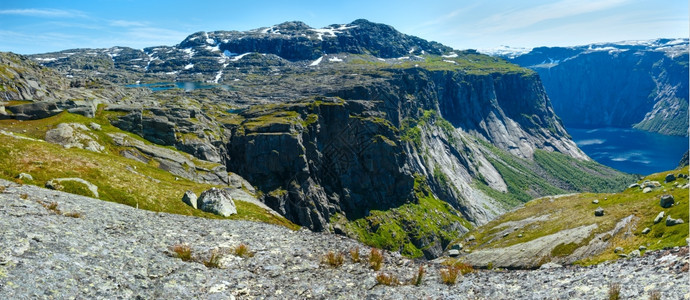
column 450, row 61
column 330, row 31
column 316, row 62
column 42, row 59
column 215, row 48
column 335, row 59
column 452, row 55
column 236, row 58
column 189, row 66
column 218, row 76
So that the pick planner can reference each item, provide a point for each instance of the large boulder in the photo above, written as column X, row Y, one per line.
column 217, row 201
column 599, row 212
column 666, row 201
column 670, row 177
column 672, row 222
column 190, row 199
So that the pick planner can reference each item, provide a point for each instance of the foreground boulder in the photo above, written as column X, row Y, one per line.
column 666, row 201
column 190, row 199
column 217, row 201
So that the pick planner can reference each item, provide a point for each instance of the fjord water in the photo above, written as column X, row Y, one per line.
column 631, row 150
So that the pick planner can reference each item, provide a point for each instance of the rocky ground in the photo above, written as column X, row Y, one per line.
column 87, row 248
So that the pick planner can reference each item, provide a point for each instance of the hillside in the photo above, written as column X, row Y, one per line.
column 565, row 230
column 336, row 130
column 640, row 84
column 116, row 251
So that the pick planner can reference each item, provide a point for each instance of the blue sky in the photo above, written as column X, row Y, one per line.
column 28, row 26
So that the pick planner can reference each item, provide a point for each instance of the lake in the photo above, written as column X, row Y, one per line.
column 631, row 150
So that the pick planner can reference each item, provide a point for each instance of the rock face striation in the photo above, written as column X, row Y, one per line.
column 641, row 84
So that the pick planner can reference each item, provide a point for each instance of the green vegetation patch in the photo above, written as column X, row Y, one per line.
column 554, row 214
column 407, row 228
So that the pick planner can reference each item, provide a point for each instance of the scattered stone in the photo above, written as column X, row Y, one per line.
column 635, row 253
column 599, row 212
column 659, row 217
column 666, row 201
column 670, row 177
column 467, row 250
column 681, row 175
column 642, row 248
column 595, row 201
column 550, row 265
column 505, row 234
column 95, row 126
column 190, row 199
column 622, row 255
column 470, row 238
column 672, row 222
column 216, row 201
column 618, row 249
column 675, row 249
column 25, row 176
column 457, row 247
column 453, row 252
column 634, row 185
column 646, row 230
column 647, row 190
column 606, row 198
column 520, row 235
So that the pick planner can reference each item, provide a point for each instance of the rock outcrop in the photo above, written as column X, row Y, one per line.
column 285, row 264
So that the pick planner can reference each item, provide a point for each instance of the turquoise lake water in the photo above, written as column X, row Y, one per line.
column 187, row 86
column 630, row 150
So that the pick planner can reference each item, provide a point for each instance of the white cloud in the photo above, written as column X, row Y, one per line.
column 521, row 18
column 48, row 13
column 124, row 23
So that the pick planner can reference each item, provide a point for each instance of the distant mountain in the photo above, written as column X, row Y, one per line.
column 356, row 129
column 641, row 84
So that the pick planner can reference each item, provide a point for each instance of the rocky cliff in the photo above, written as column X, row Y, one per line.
column 641, row 84
column 356, row 128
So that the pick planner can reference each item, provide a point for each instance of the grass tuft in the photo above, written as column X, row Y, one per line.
column 213, row 260
column 242, row 250
column 334, row 259
column 417, row 279
column 386, row 279
column 354, row 255
column 73, row 214
column 375, row 259
column 182, row 251
column 654, row 295
column 614, row 291
column 449, row 275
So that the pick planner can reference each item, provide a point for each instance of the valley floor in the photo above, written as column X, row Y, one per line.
column 87, row 248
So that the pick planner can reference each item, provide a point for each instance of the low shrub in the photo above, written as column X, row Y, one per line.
column 449, row 275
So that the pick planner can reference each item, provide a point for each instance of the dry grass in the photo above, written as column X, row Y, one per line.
column 614, row 291
column 375, row 259
column 242, row 250
column 334, row 259
column 2, row 188
column 354, row 255
column 449, row 275
column 73, row 214
column 418, row 277
column 24, row 196
column 52, row 206
column 386, row 279
column 655, row 295
column 182, row 251
column 213, row 260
